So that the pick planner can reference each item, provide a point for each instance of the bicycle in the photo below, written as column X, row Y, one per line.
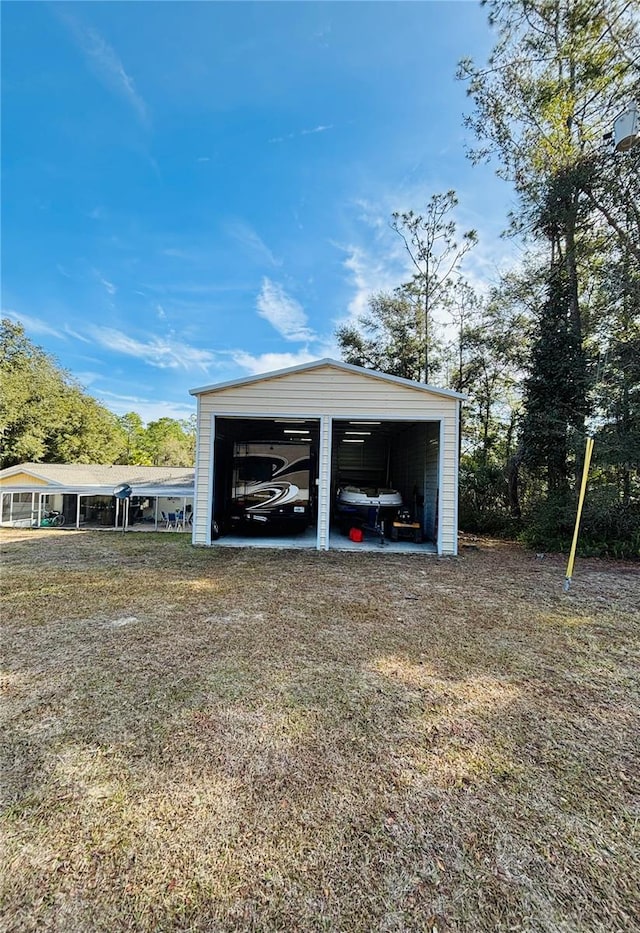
column 52, row 519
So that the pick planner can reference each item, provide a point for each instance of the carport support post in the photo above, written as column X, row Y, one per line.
column 78, row 510
column 11, row 509
column 33, row 505
column 39, row 508
column 117, row 513
column 155, row 514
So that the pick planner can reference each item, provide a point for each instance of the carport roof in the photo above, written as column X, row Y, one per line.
column 77, row 475
column 336, row 364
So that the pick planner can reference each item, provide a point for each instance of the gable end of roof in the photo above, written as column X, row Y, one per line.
column 335, row 364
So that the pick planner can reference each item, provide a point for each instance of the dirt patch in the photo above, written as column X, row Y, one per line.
column 285, row 740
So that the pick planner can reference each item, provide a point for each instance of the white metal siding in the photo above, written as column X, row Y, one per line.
column 203, row 477
column 448, row 530
column 324, row 484
column 322, row 390
column 328, row 392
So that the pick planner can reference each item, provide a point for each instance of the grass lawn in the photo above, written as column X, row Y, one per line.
column 230, row 740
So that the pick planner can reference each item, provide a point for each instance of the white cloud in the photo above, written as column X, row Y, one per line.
column 250, row 240
column 369, row 275
column 87, row 377
column 75, row 334
column 174, row 253
column 321, row 128
column 161, row 352
column 148, row 409
column 105, row 61
column 33, row 324
column 268, row 362
column 316, row 129
column 109, row 287
column 284, row 313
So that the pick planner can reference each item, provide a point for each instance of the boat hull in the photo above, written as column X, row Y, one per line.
column 367, row 505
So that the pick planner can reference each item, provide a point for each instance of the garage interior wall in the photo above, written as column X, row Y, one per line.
column 414, row 472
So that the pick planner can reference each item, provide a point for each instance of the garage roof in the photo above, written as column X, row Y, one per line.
column 336, row 364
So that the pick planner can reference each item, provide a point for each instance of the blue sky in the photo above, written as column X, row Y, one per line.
column 194, row 192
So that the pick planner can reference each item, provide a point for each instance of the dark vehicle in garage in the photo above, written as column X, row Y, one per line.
column 271, row 485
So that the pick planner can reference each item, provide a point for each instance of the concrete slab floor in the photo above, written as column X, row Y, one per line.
column 337, row 542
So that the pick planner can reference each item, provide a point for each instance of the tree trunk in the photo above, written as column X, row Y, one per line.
column 513, row 482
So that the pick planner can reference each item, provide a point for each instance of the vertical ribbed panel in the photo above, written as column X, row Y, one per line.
column 324, row 484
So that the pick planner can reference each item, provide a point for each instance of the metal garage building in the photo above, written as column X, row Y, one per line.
column 359, row 426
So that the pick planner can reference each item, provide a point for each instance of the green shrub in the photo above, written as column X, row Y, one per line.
column 482, row 505
column 608, row 527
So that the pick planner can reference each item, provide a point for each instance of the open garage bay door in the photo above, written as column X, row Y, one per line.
column 265, row 481
column 384, row 480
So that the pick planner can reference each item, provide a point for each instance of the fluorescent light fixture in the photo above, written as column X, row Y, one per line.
column 365, row 422
column 292, row 431
column 366, row 433
column 352, row 440
column 289, row 421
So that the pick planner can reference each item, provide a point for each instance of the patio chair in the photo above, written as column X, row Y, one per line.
column 168, row 520
column 172, row 521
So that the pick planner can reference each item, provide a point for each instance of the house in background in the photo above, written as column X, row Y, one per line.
column 360, row 427
column 84, row 494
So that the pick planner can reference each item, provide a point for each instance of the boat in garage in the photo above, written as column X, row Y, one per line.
column 368, row 504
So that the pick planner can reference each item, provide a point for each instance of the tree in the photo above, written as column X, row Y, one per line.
column 543, row 104
column 617, row 388
column 387, row 339
column 496, row 345
column 170, row 443
column 135, row 440
column 486, row 362
column 554, row 388
column 44, row 414
column 429, row 240
column 87, row 432
column 559, row 72
column 31, row 387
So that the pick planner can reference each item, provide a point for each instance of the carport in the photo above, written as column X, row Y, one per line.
column 83, row 495
column 359, row 426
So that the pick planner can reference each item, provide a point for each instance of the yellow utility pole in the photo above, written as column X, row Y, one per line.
column 583, row 489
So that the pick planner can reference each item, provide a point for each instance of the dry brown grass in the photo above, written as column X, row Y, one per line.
column 267, row 740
